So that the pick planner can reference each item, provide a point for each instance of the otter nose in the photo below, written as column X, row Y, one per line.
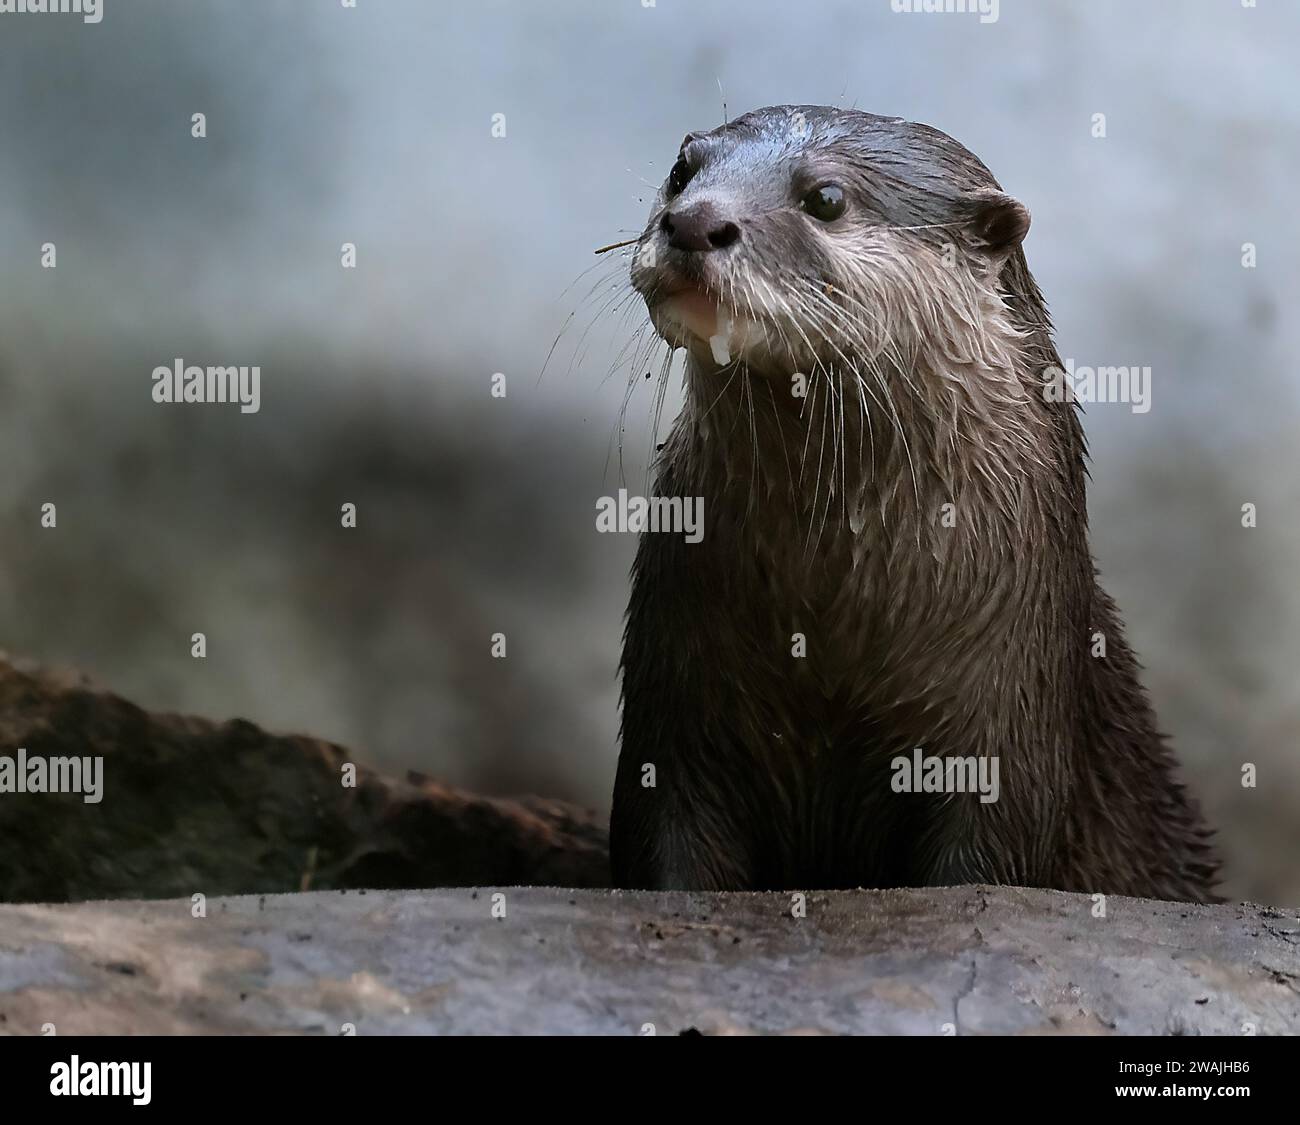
column 701, row 227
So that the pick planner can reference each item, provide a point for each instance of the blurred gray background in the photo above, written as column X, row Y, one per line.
column 329, row 125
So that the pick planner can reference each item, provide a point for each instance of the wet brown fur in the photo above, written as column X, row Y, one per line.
column 823, row 517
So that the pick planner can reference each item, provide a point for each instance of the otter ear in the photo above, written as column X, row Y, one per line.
column 999, row 222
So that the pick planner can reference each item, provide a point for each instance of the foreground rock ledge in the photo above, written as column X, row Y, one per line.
column 986, row 960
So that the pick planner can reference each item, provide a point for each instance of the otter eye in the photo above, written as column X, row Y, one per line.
column 679, row 177
column 825, row 203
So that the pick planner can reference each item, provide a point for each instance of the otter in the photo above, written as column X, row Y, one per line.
column 895, row 555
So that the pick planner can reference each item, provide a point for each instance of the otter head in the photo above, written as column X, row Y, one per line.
column 798, row 238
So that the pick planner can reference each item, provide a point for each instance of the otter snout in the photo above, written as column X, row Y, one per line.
column 699, row 227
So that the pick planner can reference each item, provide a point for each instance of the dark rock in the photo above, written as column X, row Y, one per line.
column 226, row 808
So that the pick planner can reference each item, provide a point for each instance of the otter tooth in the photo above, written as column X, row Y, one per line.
column 720, row 341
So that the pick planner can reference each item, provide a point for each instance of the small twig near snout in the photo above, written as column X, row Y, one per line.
column 616, row 245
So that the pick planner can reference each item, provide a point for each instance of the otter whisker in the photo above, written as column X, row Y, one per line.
column 614, row 271
column 830, row 478
column 616, row 438
column 883, row 383
column 807, row 412
column 821, row 449
column 661, row 391
column 747, row 387
column 780, row 430
column 615, row 292
column 734, row 366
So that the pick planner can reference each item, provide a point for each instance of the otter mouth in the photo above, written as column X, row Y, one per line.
column 688, row 316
